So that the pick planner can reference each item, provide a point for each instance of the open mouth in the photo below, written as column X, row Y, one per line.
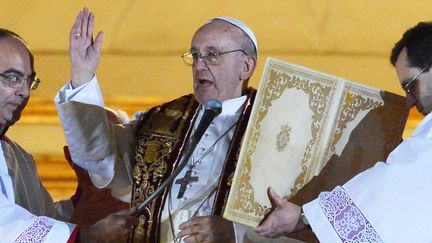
column 204, row 82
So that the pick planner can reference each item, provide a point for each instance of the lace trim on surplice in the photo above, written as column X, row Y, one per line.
column 346, row 218
column 37, row 231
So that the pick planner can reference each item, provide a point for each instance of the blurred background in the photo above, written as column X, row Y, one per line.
column 143, row 42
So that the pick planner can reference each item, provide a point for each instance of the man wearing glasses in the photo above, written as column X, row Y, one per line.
column 390, row 202
column 142, row 154
column 27, row 212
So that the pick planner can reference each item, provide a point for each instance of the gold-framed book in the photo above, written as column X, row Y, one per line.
column 301, row 120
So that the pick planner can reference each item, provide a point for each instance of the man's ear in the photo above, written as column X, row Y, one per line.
column 248, row 68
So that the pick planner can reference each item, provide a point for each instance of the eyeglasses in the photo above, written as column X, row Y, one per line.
column 209, row 58
column 408, row 87
column 16, row 82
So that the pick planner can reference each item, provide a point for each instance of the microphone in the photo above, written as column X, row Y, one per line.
column 212, row 108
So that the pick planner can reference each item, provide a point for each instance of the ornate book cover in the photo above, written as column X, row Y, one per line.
column 300, row 120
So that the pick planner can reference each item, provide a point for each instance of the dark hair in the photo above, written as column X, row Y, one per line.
column 5, row 33
column 418, row 41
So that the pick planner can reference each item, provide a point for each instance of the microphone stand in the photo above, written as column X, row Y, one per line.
column 212, row 108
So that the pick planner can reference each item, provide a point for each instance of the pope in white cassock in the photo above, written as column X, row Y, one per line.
column 140, row 155
column 390, row 202
column 27, row 212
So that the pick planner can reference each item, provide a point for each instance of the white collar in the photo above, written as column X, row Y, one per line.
column 231, row 106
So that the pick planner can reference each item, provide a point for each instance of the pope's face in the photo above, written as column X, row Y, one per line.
column 223, row 80
column 14, row 61
column 421, row 91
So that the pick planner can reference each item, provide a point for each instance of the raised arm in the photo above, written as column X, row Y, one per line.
column 83, row 49
column 105, row 150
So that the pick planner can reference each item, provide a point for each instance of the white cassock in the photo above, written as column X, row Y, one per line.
column 390, row 202
column 26, row 209
column 198, row 197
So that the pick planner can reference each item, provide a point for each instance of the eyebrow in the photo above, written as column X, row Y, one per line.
column 206, row 48
column 11, row 70
column 18, row 72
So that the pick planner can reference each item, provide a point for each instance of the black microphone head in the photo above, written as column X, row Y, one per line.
column 213, row 105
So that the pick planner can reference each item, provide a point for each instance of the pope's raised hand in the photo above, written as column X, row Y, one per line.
column 84, row 50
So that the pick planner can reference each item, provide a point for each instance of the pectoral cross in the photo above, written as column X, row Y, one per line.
column 186, row 180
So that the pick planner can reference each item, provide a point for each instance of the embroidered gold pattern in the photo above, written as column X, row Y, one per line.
column 151, row 154
column 277, row 82
column 283, row 138
column 139, row 231
column 160, row 133
column 354, row 103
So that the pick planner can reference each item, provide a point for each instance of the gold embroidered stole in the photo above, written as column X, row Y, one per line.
column 160, row 140
column 161, row 137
